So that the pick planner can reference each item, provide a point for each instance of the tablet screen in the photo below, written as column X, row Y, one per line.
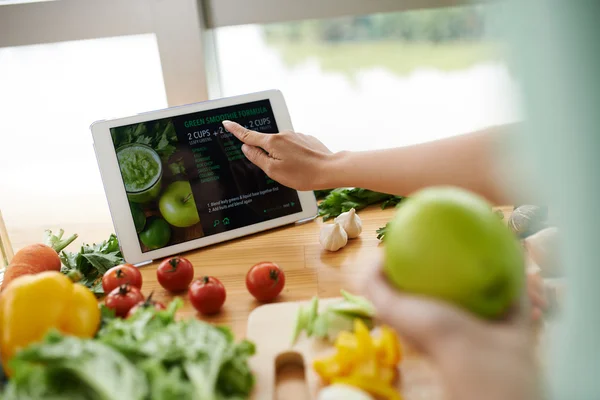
column 186, row 176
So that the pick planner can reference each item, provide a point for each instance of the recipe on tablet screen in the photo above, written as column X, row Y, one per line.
column 186, row 176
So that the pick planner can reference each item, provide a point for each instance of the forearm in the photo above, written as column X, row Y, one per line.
column 466, row 161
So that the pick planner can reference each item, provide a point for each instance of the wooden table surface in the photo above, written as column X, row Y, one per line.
column 309, row 270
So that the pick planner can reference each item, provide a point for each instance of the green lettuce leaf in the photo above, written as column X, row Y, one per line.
column 64, row 367
column 214, row 366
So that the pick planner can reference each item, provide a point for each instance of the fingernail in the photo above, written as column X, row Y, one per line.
column 245, row 148
column 227, row 122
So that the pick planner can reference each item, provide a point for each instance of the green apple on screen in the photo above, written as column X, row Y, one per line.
column 447, row 243
column 177, row 205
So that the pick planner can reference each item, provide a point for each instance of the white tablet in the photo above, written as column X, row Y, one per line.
column 176, row 180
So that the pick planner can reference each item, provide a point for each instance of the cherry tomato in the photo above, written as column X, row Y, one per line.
column 123, row 298
column 207, row 295
column 265, row 281
column 120, row 275
column 175, row 274
column 148, row 303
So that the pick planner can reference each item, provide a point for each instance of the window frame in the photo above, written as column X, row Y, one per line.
column 23, row 24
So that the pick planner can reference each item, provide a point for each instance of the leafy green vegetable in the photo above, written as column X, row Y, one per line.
column 207, row 357
column 382, row 231
column 159, row 135
column 391, row 202
column 336, row 318
column 92, row 261
column 148, row 356
column 65, row 367
column 341, row 200
column 56, row 241
column 321, row 194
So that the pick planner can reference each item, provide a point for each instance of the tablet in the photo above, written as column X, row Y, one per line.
column 177, row 180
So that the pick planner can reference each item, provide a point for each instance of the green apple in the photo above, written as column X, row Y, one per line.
column 448, row 243
column 177, row 205
column 156, row 234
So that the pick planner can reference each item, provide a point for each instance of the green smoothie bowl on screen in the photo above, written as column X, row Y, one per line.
column 141, row 170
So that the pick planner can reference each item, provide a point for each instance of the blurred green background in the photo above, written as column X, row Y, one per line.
column 445, row 39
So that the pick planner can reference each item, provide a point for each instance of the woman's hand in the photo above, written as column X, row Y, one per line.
column 293, row 159
column 476, row 359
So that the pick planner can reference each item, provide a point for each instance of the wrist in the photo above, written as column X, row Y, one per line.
column 332, row 172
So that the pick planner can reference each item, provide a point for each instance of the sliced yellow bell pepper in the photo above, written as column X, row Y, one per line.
column 32, row 305
column 346, row 340
column 388, row 374
column 365, row 348
column 366, row 362
column 328, row 368
column 388, row 347
column 373, row 386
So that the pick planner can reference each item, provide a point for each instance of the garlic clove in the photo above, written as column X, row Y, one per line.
column 332, row 237
column 351, row 223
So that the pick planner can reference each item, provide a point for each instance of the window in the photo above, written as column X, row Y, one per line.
column 378, row 80
column 49, row 96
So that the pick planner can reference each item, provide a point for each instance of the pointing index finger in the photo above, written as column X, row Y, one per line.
column 247, row 136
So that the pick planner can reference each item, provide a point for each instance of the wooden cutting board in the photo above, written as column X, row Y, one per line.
column 271, row 326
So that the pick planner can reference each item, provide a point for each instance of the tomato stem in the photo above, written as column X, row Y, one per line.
column 123, row 289
column 274, row 274
column 149, row 302
column 75, row 275
column 120, row 274
column 205, row 279
column 173, row 262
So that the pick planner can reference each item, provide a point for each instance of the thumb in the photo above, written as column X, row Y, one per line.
column 257, row 157
column 426, row 323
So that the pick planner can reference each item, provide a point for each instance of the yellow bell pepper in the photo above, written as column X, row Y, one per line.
column 371, row 385
column 388, row 347
column 328, row 368
column 366, row 362
column 32, row 305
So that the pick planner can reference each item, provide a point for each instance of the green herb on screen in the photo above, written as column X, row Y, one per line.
column 159, row 135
